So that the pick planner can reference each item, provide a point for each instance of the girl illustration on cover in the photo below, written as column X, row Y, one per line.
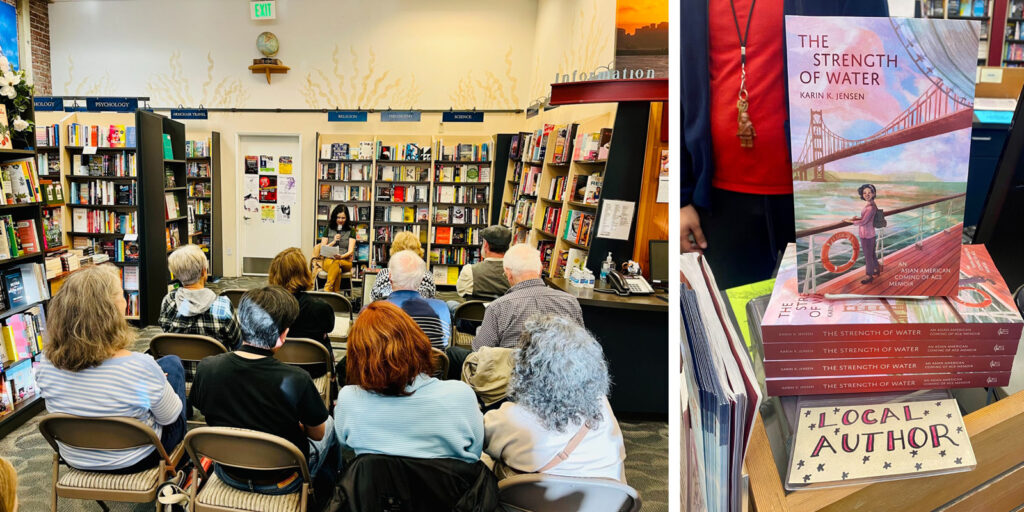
column 866, row 231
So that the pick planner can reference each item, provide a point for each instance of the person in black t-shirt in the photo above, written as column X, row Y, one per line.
column 252, row 390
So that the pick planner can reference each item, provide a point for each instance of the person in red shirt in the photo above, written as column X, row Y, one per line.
column 737, row 183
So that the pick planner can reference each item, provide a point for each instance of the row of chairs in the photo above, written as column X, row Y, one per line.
column 260, row 451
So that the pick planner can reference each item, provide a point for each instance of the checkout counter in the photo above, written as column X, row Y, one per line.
column 633, row 330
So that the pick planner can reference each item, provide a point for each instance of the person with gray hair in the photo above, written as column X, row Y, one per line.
column 251, row 389
column 558, row 404
column 193, row 308
column 505, row 317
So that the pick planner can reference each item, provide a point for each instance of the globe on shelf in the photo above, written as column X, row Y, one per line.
column 267, row 44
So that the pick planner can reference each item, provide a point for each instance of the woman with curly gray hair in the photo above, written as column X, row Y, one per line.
column 558, row 419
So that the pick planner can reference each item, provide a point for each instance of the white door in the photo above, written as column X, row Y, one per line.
column 268, row 174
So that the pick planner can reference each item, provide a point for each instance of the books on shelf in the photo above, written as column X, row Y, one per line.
column 22, row 335
column 53, row 228
column 515, row 148
column 403, row 193
column 110, row 136
column 103, row 222
column 24, row 284
column 463, row 152
column 530, row 180
column 172, row 208
column 564, row 136
column 105, row 165
column 454, row 256
column 48, row 165
column 459, row 215
column 470, row 194
column 547, row 250
column 48, row 135
column 388, row 172
column 107, row 193
column 508, row 215
column 816, row 345
column 552, row 214
column 524, row 212
column 347, row 171
column 535, row 144
column 19, row 182
column 18, row 237
column 343, row 151
column 475, row 173
column 198, row 148
column 408, row 151
column 173, row 236
column 197, row 170
column 593, row 146
column 579, row 227
column 343, row 193
column 556, row 190
column 586, row 189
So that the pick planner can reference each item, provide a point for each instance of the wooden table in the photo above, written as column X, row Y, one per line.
column 997, row 484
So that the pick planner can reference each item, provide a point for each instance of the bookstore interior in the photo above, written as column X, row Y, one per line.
column 240, row 267
column 859, row 349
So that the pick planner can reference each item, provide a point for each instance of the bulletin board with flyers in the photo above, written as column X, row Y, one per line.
column 269, row 177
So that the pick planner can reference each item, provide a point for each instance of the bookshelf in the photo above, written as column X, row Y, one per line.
column 203, row 178
column 1013, row 35
column 980, row 10
column 461, row 200
column 514, row 171
column 345, row 176
column 99, row 165
column 392, row 201
column 155, row 191
column 30, row 259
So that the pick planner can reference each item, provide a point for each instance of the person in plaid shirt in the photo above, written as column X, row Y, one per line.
column 193, row 308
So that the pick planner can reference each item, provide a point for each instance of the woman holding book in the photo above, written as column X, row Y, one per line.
column 341, row 239
column 866, row 232
column 404, row 241
column 87, row 370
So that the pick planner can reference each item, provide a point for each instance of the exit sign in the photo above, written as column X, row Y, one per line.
column 265, row 10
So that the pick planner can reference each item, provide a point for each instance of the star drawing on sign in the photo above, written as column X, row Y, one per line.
column 887, row 465
column 959, row 429
column 821, row 467
column 836, row 431
column 811, row 426
column 942, row 453
column 835, row 411
column 949, row 415
column 958, row 460
column 800, row 464
column 807, row 413
column 807, row 478
column 917, row 466
column 913, row 453
column 865, row 459
column 926, row 412
column 845, row 474
column 938, row 404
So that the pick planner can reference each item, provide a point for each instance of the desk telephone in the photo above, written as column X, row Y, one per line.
column 629, row 285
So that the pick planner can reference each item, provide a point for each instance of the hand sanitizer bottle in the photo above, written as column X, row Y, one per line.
column 606, row 267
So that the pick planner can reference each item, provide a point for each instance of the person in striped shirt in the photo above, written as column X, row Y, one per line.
column 86, row 370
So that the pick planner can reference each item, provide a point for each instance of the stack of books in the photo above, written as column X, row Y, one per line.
column 813, row 345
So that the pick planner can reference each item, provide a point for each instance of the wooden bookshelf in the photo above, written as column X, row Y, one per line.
column 360, row 209
column 382, row 233
column 203, row 174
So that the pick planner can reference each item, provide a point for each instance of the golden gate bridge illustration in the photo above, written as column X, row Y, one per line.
column 939, row 109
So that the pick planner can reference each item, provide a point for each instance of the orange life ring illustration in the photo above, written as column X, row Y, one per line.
column 986, row 299
column 827, row 263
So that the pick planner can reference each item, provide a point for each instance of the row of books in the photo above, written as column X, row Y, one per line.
column 48, row 164
column 524, row 212
column 198, row 226
column 460, row 194
column 579, row 227
column 516, row 174
column 200, row 206
column 17, row 237
column 460, row 215
column 48, row 135
column 22, row 335
column 23, row 285
column 534, row 145
column 464, row 152
column 529, row 181
column 592, row 146
column 551, row 216
column 557, row 188
column 520, row 235
column 1014, row 51
column 125, row 250
column 19, row 182
column 199, row 190
column 403, row 193
column 198, row 148
column 197, row 170
column 112, row 136
column 448, row 235
column 508, row 215
column 173, row 236
column 454, row 256
column 564, row 136
column 891, row 344
column 409, row 214
column 388, row 172
column 408, row 151
column 329, row 192
column 384, row 234
column 17, row 385
column 100, row 222
column 586, row 189
column 106, row 165
column 344, row 151
column 106, row 193
column 462, row 174
column 547, row 250
column 349, row 171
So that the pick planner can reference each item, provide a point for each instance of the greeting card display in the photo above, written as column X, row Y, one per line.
column 880, row 127
column 837, row 444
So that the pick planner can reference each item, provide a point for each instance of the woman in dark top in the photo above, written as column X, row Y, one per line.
column 316, row 318
column 340, row 234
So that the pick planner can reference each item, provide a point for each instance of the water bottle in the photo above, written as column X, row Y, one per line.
column 606, row 267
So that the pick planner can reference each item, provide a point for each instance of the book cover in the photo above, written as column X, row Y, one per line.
column 886, row 365
column 880, row 113
column 983, row 309
column 880, row 383
column 168, row 149
column 841, row 444
column 27, row 235
column 15, row 286
column 922, row 348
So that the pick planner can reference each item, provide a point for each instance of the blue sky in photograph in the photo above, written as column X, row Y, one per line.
column 9, row 34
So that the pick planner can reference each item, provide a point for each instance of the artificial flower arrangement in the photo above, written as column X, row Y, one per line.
column 16, row 92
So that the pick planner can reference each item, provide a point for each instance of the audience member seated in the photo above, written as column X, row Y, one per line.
column 86, row 370
column 193, row 308
column 557, row 404
column 404, row 241
column 250, row 389
column 487, row 278
column 341, row 235
column 528, row 295
column 392, row 406
column 8, row 487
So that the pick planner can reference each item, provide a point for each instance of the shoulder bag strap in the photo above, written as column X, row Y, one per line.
column 564, row 454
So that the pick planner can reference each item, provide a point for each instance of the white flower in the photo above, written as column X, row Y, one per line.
column 20, row 124
column 8, row 91
column 15, row 79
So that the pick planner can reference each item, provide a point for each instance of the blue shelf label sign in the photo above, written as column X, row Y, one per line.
column 48, row 104
column 346, row 116
column 400, row 116
column 189, row 113
column 112, row 104
column 462, row 117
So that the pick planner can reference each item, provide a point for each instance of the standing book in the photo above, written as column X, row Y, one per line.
column 880, row 113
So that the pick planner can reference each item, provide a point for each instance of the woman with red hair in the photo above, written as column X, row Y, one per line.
column 392, row 406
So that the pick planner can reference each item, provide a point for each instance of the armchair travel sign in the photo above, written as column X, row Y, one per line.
column 189, row 113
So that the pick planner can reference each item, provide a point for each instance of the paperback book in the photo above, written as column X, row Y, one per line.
column 880, row 113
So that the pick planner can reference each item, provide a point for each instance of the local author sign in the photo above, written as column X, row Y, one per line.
column 845, row 445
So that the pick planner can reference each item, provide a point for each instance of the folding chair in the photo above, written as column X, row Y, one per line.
column 343, row 315
column 441, row 363
column 469, row 311
column 539, row 492
column 108, row 433
column 245, row 449
column 234, row 295
column 304, row 351
column 191, row 348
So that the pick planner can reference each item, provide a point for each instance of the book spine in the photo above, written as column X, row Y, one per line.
column 891, row 332
column 878, row 383
column 884, row 365
column 833, row 349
